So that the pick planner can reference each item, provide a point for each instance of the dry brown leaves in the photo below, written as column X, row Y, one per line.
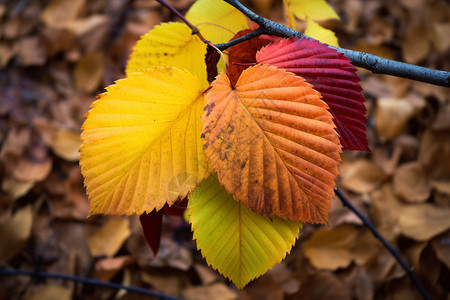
column 56, row 55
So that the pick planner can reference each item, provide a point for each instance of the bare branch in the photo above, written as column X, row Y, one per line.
column 90, row 281
column 367, row 61
column 388, row 246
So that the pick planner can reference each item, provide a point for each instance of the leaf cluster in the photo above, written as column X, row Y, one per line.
column 255, row 151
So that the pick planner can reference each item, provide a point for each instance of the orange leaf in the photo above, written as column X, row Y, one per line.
column 273, row 144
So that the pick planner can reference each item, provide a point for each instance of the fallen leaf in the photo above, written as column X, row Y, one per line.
column 421, row 222
column 323, row 285
column 88, row 72
column 411, row 182
column 360, row 283
column 107, row 268
column 15, row 232
column 361, row 176
column 167, row 281
column 216, row 291
column 91, row 32
column 441, row 246
column 7, row 51
column 32, row 170
column 108, row 240
column 206, row 275
column 415, row 45
column 439, row 36
column 385, row 211
column 434, row 146
column 392, row 115
column 31, row 51
column 272, row 142
column 48, row 292
column 58, row 12
column 16, row 188
column 263, row 288
column 65, row 143
column 336, row 248
column 414, row 252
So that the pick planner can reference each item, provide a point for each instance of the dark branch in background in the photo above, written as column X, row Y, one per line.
column 388, row 246
column 370, row 62
column 90, row 281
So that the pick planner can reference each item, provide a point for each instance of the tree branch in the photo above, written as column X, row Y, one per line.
column 241, row 39
column 370, row 62
column 385, row 243
column 90, row 281
column 183, row 18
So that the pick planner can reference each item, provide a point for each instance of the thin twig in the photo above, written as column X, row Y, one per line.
column 257, row 32
column 367, row 61
column 183, row 18
column 90, row 281
column 385, row 243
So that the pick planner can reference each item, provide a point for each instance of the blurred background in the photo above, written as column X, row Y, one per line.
column 57, row 55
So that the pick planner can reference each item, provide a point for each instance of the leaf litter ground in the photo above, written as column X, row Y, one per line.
column 56, row 58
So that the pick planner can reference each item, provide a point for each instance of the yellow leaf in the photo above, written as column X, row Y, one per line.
column 321, row 34
column 171, row 45
column 272, row 142
column 239, row 243
column 217, row 21
column 15, row 232
column 108, row 240
column 316, row 10
column 290, row 15
column 421, row 222
column 141, row 139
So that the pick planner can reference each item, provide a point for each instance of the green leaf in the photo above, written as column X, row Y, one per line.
column 239, row 243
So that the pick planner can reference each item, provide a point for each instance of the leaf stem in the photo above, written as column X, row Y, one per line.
column 367, row 61
column 385, row 243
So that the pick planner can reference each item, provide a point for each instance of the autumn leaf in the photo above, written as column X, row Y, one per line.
column 244, row 53
column 332, row 74
column 170, row 45
column 273, row 144
column 152, row 222
column 217, row 21
column 321, row 34
column 316, row 10
column 237, row 242
column 141, row 142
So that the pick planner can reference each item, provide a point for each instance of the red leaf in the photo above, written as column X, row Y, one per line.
column 211, row 59
column 152, row 225
column 332, row 74
column 177, row 209
column 152, row 222
column 244, row 53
